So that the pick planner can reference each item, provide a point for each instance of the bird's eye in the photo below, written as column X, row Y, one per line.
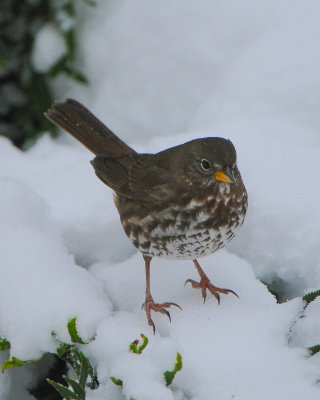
column 205, row 164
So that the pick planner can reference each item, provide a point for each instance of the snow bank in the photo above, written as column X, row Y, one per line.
column 41, row 287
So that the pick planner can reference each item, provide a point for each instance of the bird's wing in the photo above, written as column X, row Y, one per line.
column 114, row 172
column 135, row 177
column 152, row 183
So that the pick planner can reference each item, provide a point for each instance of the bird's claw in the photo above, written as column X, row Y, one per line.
column 205, row 285
column 149, row 305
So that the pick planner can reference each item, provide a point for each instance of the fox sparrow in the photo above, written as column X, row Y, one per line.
column 182, row 203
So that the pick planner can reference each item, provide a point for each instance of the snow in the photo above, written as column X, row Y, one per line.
column 46, row 271
column 161, row 74
column 48, row 47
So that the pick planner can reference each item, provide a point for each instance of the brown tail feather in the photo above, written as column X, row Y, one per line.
column 77, row 120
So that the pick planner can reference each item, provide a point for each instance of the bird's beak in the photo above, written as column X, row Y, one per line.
column 226, row 176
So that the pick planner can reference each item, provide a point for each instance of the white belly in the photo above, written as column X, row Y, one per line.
column 177, row 242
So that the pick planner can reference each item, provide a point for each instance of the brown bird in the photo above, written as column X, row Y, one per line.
column 183, row 203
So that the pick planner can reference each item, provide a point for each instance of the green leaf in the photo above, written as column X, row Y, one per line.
column 4, row 345
column 309, row 297
column 272, row 291
column 314, row 349
column 63, row 350
column 63, row 390
column 144, row 344
column 75, row 361
column 169, row 375
column 70, row 41
column 84, row 371
column 72, row 328
column 5, row 65
column 77, row 387
column 78, row 76
column 82, row 367
column 65, row 65
column 116, row 381
column 58, row 67
column 90, row 369
column 134, row 345
column 15, row 362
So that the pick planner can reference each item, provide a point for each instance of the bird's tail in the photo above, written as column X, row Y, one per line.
column 77, row 120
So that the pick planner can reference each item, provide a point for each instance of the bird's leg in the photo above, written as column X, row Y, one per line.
column 205, row 284
column 149, row 305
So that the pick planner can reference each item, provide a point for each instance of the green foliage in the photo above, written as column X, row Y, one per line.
column 80, row 364
column 4, row 345
column 64, row 391
column 272, row 291
column 136, row 350
column 75, row 389
column 314, row 349
column 64, row 350
column 25, row 92
column 83, row 370
column 134, row 345
column 15, row 362
column 72, row 328
column 169, row 375
column 116, row 381
column 309, row 297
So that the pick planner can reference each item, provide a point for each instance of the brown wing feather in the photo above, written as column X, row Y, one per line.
column 153, row 184
column 77, row 120
column 135, row 177
column 114, row 172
